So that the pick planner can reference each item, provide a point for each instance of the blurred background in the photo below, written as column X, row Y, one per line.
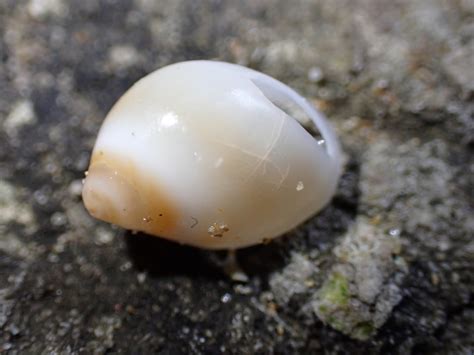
column 387, row 267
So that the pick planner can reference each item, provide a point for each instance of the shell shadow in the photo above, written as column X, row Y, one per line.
column 160, row 257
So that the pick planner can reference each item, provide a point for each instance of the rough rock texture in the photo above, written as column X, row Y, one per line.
column 387, row 267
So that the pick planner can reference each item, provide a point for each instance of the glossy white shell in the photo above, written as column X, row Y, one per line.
column 197, row 152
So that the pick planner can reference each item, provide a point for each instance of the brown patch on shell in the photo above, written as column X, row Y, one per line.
column 131, row 198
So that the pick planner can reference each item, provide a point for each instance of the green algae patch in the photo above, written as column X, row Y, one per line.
column 363, row 331
column 335, row 292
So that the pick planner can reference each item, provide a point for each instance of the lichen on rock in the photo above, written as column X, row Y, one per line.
column 364, row 284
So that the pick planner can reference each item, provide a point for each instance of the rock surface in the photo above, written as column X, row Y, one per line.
column 387, row 267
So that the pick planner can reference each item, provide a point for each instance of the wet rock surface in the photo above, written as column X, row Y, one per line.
column 387, row 267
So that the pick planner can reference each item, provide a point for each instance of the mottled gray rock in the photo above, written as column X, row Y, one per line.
column 391, row 257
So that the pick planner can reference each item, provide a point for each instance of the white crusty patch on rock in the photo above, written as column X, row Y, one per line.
column 364, row 285
column 294, row 279
column 122, row 57
column 21, row 115
column 11, row 209
column 40, row 9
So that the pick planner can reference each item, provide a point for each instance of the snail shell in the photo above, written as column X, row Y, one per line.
column 200, row 153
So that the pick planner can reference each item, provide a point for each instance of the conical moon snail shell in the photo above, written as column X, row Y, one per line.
column 199, row 152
